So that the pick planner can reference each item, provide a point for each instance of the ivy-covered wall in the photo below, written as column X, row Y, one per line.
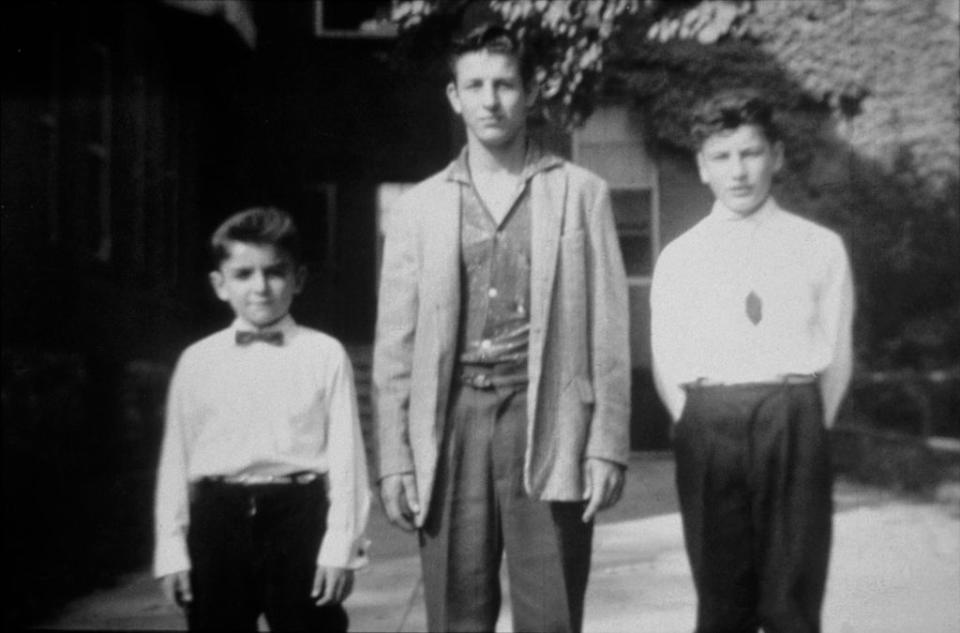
column 870, row 96
column 869, row 92
column 869, row 99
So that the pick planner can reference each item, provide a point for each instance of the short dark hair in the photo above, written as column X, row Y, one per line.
column 729, row 109
column 492, row 37
column 256, row 225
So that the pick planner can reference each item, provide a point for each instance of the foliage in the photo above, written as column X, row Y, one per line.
column 663, row 80
column 903, row 239
column 868, row 96
column 888, row 71
column 567, row 37
column 705, row 22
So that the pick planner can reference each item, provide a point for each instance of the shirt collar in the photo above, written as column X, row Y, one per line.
column 535, row 161
column 286, row 325
column 720, row 214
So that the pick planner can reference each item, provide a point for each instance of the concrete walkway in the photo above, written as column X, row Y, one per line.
column 895, row 568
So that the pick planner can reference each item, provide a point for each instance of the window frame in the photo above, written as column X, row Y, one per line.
column 653, row 223
column 647, row 175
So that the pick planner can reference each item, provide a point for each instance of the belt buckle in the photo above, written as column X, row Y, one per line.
column 479, row 381
column 251, row 480
column 248, row 479
column 304, row 478
column 700, row 383
column 799, row 379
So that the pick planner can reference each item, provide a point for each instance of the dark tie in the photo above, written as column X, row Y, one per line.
column 754, row 307
column 246, row 338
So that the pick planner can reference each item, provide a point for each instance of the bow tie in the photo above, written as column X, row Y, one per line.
column 246, row 337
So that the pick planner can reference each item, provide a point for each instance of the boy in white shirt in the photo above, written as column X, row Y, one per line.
column 751, row 338
column 262, row 492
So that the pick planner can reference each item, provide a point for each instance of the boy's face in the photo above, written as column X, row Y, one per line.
column 259, row 282
column 489, row 95
column 738, row 166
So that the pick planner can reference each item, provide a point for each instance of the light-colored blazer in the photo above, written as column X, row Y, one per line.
column 579, row 364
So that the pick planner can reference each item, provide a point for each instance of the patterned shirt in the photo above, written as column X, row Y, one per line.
column 495, row 270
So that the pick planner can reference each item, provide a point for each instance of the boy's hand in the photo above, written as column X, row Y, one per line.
column 398, row 494
column 331, row 585
column 176, row 587
column 604, row 485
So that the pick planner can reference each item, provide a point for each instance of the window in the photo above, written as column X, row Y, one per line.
column 355, row 19
column 611, row 145
column 109, row 143
column 632, row 211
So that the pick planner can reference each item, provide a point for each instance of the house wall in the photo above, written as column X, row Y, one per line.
column 341, row 112
column 130, row 130
column 115, row 120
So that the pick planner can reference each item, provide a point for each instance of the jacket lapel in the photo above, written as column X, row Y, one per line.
column 548, row 199
column 441, row 231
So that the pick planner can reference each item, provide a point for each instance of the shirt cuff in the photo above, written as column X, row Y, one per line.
column 170, row 556
column 341, row 549
column 677, row 404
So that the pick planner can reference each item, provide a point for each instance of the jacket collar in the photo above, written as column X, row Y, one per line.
column 535, row 161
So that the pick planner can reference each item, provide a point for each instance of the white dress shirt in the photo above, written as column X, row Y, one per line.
column 699, row 324
column 263, row 409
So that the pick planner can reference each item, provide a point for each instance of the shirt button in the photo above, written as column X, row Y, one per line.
column 492, row 293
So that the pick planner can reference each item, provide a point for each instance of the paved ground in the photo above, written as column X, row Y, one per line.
column 895, row 569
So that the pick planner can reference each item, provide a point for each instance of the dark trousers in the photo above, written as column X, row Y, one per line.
column 480, row 510
column 755, row 485
column 254, row 551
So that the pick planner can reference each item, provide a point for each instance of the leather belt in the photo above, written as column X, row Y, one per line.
column 493, row 376
column 300, row 478
column 783, row 379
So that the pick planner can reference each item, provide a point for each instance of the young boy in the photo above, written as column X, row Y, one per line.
column 262, row 494
column 751, row 339
column 501, row 363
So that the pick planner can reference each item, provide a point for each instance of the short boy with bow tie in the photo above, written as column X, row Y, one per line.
column 751, row 340
column 262, row 494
